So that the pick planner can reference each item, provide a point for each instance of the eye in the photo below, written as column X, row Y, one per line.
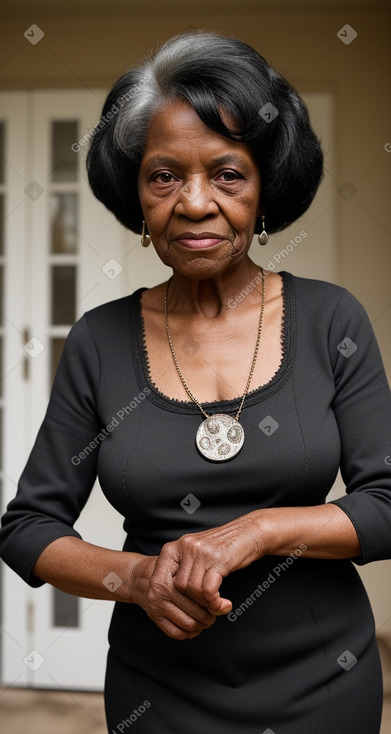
column 230, row 176
column 163, row 177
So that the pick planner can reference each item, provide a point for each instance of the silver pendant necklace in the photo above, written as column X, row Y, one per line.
column 220, row 437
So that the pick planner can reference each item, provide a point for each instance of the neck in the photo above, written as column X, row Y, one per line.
column 211, row 297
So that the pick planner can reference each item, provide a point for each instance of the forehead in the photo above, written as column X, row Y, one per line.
column 177, row 129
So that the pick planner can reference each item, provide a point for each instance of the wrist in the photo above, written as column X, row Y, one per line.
column 139, row 571
column 255, row 534
column 265, row 534
column 120, row 580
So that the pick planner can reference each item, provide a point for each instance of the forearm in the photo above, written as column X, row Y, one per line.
column 324, row 530
column 87, row 570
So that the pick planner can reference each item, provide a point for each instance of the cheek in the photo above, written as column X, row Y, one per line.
column 156, row 213
column 150, row 204
column 245, row 216
column 158, row 219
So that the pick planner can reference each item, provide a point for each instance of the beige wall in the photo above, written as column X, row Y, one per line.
column 92, row 51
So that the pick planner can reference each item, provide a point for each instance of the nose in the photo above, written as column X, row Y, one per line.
column 196, row 200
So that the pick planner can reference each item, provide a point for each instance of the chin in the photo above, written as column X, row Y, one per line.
column 205, row 267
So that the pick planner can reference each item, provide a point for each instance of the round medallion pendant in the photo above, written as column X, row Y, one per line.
column 219, row 437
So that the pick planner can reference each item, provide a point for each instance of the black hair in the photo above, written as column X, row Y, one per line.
column 212, row 72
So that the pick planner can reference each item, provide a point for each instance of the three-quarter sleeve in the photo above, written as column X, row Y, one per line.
column 61, row 468
column 362, row 406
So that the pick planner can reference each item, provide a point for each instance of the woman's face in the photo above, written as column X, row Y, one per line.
column 199, row 192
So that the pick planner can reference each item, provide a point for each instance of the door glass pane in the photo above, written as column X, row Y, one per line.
column 57, row 347
column 2, row 152
column 65, row 610
column 63, row 294
column 1, row 224
column 64, row 162
column 1, row 294
column 1, row 372
column 63, row 223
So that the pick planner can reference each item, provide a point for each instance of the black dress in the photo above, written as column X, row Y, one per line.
column 297, row 655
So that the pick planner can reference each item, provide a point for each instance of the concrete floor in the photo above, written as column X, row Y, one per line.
column 25, row 711
column 67, row 712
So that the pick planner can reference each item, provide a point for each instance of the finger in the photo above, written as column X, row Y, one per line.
column 185, row 577
column 186, row 622
column 173, row 631
column 191, row 608
column 211, row 583
column 164, row 582
column 202, row 584
column 220, row 606
column 216, row 603
column 189, row 581
column 165, row 600
column 167, row 561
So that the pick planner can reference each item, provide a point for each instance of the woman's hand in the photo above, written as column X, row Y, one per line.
column 179, row 589
column 174, row 612
column 198, row 562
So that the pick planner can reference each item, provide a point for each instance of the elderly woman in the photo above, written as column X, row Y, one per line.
column 239, row 610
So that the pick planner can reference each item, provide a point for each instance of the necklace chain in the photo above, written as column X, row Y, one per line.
column 256, row 350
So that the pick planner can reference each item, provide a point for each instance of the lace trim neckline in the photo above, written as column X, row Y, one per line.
column 257, row 393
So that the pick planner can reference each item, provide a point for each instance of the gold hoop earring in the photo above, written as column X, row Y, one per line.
column 145, row 238
column 263, row 238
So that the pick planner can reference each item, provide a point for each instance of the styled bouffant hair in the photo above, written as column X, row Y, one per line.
column 212, row 72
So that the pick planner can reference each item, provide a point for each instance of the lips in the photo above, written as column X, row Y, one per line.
column 199, row 240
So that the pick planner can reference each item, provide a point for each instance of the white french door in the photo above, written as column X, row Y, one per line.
column 62, row 254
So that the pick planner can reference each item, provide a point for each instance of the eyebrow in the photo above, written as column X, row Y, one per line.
column 229, row 158
column 223, row 160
